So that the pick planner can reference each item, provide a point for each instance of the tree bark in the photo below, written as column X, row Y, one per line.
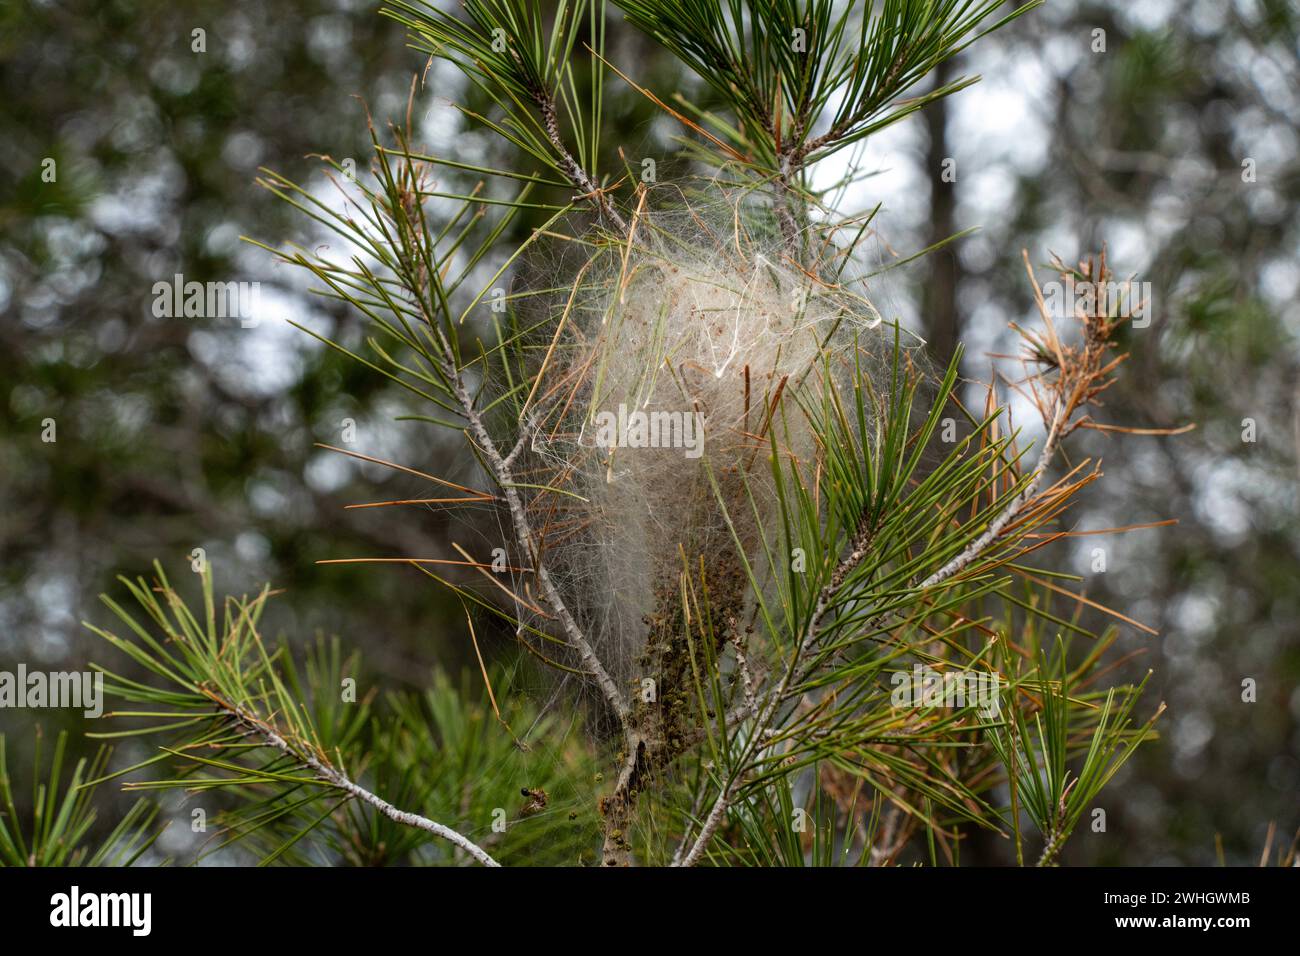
column 939, row 296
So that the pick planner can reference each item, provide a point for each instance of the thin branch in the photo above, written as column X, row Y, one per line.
column 572, row 169
column 710, row 825
column 1009, row 514
column 501, row 469
column 334, row 778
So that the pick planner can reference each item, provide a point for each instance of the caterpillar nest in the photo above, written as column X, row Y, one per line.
column 673, row 369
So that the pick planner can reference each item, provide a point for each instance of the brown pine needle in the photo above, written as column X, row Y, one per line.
column 685, row 121
column 1093, row 604
column 418, row 501
column 486, row 680
column 1128, row 527
column 555, row 339
column 1098, row 426
column 481, row 569
column 410, row 471
column 463, row 564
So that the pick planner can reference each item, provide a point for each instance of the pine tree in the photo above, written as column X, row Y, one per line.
column 780, row 568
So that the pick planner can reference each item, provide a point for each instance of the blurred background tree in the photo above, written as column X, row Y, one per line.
column 1167, row 129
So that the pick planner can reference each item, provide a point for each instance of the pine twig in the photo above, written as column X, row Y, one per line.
column 580, row 178
column 501, row 470
column 340, row 781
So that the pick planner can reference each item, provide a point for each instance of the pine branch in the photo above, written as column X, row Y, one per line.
column 799, row 664
column 340, row 781
column 1080, row 375
column 532, row 66
column 501, row 471
column 429, row 296
column 227, row 687
column 587, row 187
column 884, row 553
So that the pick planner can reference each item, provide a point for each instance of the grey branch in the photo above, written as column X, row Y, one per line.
column 571, row 167
column 340, row 781
column 501, row 470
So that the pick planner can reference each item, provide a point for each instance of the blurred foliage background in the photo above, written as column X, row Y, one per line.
column 1171, row 135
